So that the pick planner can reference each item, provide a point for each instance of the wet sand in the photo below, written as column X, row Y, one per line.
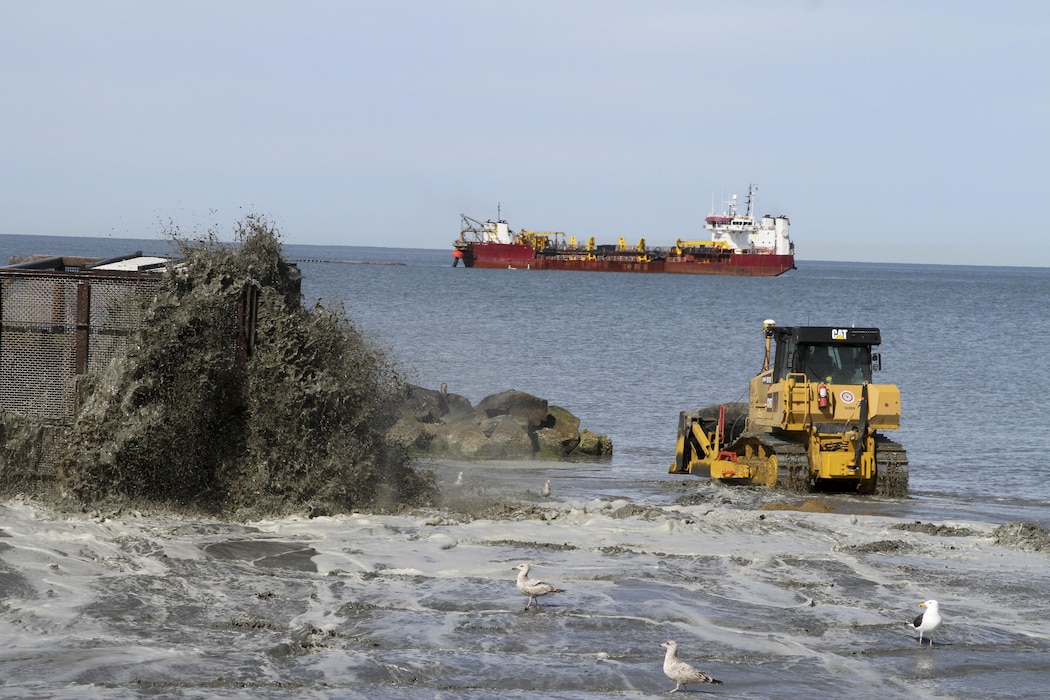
column 779, row 596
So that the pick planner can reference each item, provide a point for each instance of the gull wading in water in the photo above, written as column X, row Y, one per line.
column 533, row 588
column 928, row 621
column 546, row 490
column 679, row 671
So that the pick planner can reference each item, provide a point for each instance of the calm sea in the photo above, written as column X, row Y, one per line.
column 626, row 352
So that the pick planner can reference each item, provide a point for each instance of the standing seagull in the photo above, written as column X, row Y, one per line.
column 546, row 490
column 679, row 671
column 533, row 588
column 928, row 621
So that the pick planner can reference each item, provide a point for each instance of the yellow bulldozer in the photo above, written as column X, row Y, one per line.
column 813, row 420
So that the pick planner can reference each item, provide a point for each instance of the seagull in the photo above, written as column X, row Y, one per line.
column 928, row 621
column 546, row 490
column 679, row 671
column 459, row 480
column 533, row 588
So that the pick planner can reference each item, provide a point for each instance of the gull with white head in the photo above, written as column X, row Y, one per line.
column 679, row 671
column 928, row 621
column 533, row 588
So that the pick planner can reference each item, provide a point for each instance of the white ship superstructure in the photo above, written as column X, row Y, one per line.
column 743, row 234
column 487, row 231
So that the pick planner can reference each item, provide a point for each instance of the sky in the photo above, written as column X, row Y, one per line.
column 891, row 131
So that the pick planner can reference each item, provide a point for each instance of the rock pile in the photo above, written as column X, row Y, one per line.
column 509, row 425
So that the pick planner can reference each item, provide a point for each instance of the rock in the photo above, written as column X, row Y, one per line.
column 493, row 438
column 459, row 408
column 431, row 406
column 409, row 431
column 460, row 439
column 506, row 439
column 560, row 434
column 509, row 425
column 560, row 419
column 424, row 405
column 554, row 445
column 595, row 445
column 530, row 411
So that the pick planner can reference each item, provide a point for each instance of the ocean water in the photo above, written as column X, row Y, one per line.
column 626, row 353
column 776, row 603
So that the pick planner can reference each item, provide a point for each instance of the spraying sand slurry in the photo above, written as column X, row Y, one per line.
column 234, row 400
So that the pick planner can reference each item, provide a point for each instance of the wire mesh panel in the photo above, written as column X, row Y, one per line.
column 54, row 326
column 61, row 319
column 116, row 312
column 37, row 346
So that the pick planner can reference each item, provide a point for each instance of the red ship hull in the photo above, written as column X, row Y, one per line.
column 714, row 261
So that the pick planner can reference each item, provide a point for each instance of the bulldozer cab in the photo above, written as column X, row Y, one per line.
column 825, row 354
column 811, row 363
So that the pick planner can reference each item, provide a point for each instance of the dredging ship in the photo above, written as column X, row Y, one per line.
column 739, row 245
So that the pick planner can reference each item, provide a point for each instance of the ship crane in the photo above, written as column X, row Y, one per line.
column 469, row 225
column 484, row 231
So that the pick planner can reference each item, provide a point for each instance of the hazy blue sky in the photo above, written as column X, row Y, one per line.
column 887, row 131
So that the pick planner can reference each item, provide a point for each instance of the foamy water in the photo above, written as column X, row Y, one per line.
column 776, row 603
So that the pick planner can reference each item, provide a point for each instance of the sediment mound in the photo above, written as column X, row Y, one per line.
column 812, row 505
column 938, row 530
column 1027, row 537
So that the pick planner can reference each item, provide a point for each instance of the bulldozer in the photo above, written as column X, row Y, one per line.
column 813, row 420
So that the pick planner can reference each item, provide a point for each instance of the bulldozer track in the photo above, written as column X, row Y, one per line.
column 791, row 460
column 793, row 467
column 793, row 470
column 891, row 464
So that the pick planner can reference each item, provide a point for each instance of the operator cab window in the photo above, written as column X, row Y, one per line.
column 836, row 364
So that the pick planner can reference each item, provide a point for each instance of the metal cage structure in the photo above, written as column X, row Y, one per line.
column 65, row 317
column 61, row 318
